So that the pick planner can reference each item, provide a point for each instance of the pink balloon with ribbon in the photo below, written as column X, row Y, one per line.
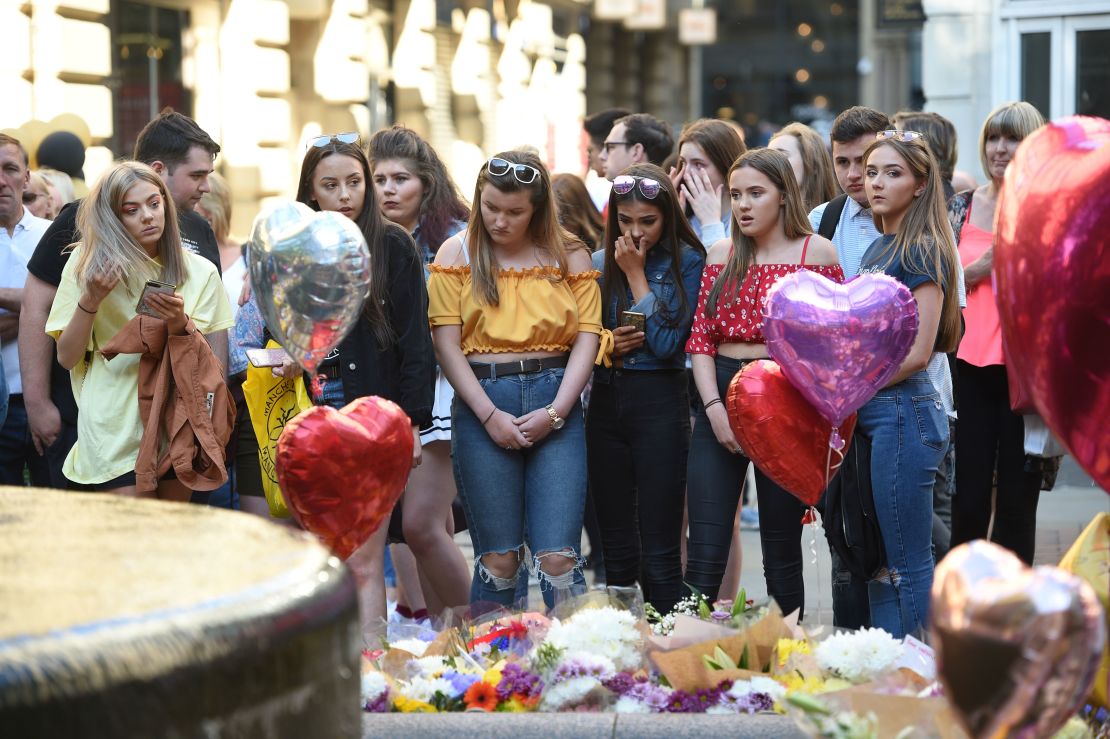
column 839, row 343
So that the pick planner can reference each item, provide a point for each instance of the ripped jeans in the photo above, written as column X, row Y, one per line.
column 528, row 501
column 909, row 433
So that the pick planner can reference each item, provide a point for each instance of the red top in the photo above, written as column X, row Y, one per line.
column 981, row 344
column 740, row 319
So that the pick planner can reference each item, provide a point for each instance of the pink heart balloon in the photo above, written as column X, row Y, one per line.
column 1017, row 648
column 839, row 344
column 1052, row 282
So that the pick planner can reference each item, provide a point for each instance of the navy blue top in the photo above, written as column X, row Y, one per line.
column 664, row 345
column 917, row 272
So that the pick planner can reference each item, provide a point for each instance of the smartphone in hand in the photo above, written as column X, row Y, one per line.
column 266, row 357
column 632, row 318
column 153, row 286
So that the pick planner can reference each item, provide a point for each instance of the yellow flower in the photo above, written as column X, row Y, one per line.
column 411, row 705
column 493, row 674
column 787, row 647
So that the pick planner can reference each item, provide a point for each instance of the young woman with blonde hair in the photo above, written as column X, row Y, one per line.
column 810, row 160
column 771, row 238
column 905, row 421
column 129, row 235
column 516, row 314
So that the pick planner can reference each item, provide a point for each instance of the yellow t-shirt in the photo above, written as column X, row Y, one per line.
column 534, row 311
column 109, row 428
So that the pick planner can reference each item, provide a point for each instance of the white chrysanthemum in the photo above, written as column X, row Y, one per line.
column 422, row 689
column 373, row 685
column 427, row 666
column 766, row 685
column 720, row 710
column 568, row 693
column 600, row 631
column 415, row 647
column 859, row 656
column 627, row 704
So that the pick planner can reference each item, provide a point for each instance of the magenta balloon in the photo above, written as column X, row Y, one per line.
column 1052, row 282
column 838, row 344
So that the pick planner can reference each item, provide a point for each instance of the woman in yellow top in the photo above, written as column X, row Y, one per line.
column 516, row 315
column 129, row 235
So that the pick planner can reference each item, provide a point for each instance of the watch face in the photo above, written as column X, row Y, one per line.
column 557, row 424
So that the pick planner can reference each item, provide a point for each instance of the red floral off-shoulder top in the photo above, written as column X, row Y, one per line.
column 739, row 318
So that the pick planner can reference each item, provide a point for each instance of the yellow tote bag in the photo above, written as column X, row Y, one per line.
column 272, row 403
column 1089, row 558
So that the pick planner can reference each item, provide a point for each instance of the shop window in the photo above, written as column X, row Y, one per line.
column 1092, row 72
column 1036, row 71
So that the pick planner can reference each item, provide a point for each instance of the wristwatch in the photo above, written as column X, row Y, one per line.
column 556, row 421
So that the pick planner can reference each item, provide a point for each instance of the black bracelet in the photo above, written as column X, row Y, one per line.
column 489, row 416
column 711, row 403
column 90, row 312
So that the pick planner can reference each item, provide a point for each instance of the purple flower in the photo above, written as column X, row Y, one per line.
column 721, row 616
column 515, row 680
column 654, row 697
column 620, row 683
column 754, row 702
column 459, row 681
column 379, row 704
column 682, row 702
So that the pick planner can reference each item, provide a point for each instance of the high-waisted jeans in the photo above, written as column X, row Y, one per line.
column 638, row 435
column 909, row 433
column 715, row 478
column 520, row 498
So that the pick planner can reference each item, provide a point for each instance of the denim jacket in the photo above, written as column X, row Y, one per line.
column 663, row 346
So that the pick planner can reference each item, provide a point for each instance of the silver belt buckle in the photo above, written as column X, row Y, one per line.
column 522, row 361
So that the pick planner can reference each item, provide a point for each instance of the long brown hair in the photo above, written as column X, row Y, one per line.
column 108, row 249
column 544, row 228
column 441, row 204
column 719, row 141
column 369, row 221
column 925, row 236
column 818, row 183
column 676, row 232
column 577, row 212
column 774, row 165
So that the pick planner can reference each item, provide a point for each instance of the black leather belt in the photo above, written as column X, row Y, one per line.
column 520, row 367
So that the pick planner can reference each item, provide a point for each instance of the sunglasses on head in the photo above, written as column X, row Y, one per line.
column 649, row 188
column 523, row 173
column 904, row 136
column 349, row 137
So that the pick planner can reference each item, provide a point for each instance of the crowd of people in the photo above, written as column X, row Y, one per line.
column 561, row 365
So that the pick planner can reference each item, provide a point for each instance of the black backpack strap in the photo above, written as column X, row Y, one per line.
column 831, row 216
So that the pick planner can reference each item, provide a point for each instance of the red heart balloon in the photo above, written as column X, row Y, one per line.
column 1052, row 282
column 781, row 432
column 342, row 471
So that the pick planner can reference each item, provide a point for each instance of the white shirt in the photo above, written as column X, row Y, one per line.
column 15, row 251
column 711, row 233
column 854, row 233
column 233, row 278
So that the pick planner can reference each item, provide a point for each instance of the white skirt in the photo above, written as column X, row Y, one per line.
column 440, row 430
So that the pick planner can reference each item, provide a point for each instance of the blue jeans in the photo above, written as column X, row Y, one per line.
column 530, row 497
column 909, row 433
column 17, row 450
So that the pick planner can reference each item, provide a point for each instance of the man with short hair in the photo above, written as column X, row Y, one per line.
column 182, row 154
column 635, row 139
column 20, row 231
column 846, row 219
column 597, row 127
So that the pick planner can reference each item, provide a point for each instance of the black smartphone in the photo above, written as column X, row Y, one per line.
column 632, row 318
column 153, row 286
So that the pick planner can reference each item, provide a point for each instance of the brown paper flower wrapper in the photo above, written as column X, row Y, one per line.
column 932, row 717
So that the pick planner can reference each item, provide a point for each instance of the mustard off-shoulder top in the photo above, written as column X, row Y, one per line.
column 536, row 311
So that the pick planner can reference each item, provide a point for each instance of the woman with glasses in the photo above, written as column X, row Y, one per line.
column 771, row 238
column 990, row 444
column 389, row 351
column 638, row 425
column 905, row 421
column 415, row 191
column 706, row 150
column 810, row 160
column 516, row 314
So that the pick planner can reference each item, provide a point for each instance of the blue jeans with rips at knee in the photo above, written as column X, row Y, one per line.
column 909, row 433
column 529, row 500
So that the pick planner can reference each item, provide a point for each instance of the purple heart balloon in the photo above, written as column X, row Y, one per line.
column 839, row 344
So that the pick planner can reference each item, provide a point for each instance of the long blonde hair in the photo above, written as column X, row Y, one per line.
column 543, row 229
column 925, row 237
column 795, row 224
column 108, row 249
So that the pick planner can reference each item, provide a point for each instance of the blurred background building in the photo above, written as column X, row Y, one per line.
column 476, row 76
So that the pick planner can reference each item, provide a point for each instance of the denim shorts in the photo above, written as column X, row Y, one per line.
column 530, row 497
